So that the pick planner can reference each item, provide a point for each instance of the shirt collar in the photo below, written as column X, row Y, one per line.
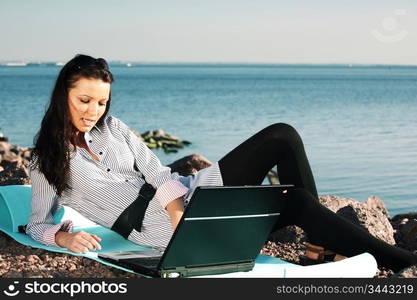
column 96, row 127
column 87, row 134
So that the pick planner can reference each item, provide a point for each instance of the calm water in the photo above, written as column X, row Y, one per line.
column 358, row 123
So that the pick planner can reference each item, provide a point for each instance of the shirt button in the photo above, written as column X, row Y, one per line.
column 90, row 141
column 108, row 170
column 127, row 180
column 101, row 153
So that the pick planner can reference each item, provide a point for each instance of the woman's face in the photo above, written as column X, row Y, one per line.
column 87, row 102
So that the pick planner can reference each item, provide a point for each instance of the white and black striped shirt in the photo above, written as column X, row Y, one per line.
column 101, row 190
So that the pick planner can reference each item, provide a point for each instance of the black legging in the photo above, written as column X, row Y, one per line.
column 280, row 145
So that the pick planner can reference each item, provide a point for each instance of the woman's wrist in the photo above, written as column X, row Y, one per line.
column 60, row 238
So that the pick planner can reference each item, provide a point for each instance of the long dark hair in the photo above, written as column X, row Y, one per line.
column 52, row 144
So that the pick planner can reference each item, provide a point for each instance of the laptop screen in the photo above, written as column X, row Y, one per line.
column 224, row 225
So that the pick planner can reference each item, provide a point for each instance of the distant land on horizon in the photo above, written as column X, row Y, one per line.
column 24, row 63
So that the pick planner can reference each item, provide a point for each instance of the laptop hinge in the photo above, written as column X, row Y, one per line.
column 189, row 271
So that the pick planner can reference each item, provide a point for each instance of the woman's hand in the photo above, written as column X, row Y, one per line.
column 78, row 242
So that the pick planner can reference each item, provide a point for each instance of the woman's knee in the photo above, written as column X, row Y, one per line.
column 282, row 131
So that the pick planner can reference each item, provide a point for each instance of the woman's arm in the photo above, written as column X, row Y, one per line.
column 41, row 226
column 168, row 187
column 175, row 210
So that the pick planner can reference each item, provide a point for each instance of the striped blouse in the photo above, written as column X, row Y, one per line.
column 101, row 190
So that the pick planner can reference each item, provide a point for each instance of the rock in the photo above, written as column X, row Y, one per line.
column 289, row 234
column 173, row 144
column 273, row 177
column 152, row 145
column 400, row 217
column 27, row 154
column 410, row 272
column 383, row 273
column 33, row 259
column 409, row 231
column 2, row 137
column 371, row 215
column 14, row 150
column 146, row 135
column 72, row 267
column 169, row 150
column 290, row 252
column 158, row 132
column 14, row 174
column 8, row 161
column 405, row 226
column 190, row 164
column 171, row 137
column 11, row 153
column 160, row 139
column 4, row 147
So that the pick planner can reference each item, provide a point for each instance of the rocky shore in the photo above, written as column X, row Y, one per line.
column 19, row 261
column 160, row 139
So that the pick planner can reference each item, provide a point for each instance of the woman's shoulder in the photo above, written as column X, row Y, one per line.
column 109, row 124
column 113, row 126
column 113, row 122
column 109, row 121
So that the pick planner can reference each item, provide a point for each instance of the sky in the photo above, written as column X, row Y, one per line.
column 227, row 31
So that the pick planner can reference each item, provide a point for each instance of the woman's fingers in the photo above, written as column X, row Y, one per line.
column 87, row 244
column 97, row 238
column 90, row 242
column 79, row 248
column 82, row 242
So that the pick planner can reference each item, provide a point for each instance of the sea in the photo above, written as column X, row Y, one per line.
column 358, row 123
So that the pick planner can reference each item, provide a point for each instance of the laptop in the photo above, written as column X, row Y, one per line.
column 222, row 230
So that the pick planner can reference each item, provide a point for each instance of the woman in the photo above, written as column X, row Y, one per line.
column 92, row 162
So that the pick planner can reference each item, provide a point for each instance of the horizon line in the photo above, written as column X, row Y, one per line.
column 60, row 63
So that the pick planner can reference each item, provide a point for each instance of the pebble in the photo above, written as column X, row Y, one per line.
column 33, row 258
